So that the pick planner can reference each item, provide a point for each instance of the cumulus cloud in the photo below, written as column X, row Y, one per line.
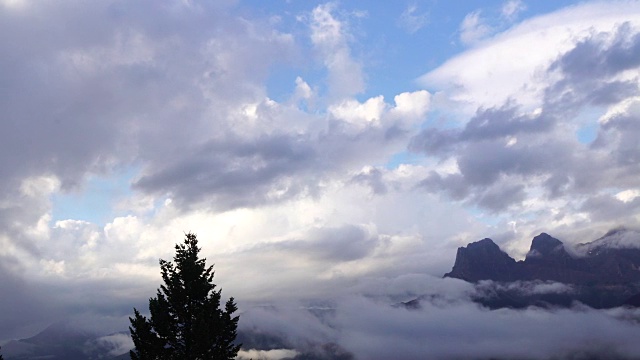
column 506, row 153
column 178, row 94
column 515, row 74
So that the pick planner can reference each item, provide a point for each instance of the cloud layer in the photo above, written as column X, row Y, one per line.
column 446, row 326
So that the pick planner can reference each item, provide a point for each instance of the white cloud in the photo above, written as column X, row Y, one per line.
column 507, row 63
column 415, row 104
column 512, row 8
column 274, row 354
column 117, row 344
column 331, row 38
column 412, row 21
column 627, row 107
column 628, row 195
column 39, row 186
column 14, row 4
column 615, row 239
column 361, row 114
column 52, row 267
column 446, row 326
column 474, row 28
column 464, row 331
column 303, row 90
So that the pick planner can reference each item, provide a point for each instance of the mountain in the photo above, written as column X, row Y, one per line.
column 61, row 341
column 603, row 273
column 483, row 260
column 65, row 341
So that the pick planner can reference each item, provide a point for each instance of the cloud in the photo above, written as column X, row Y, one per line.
column 602, row 54
column 474, row 28
column 488, row 288
column 506, row 153
column 512, row 8
column 515, row 73
column 621, row 238
column 274, row 354
column 346, row 243
column 22, row 297
column 257, row 167
column 373, row 178
column 412, row 21
column 331, row 38
column 453, row 328
column 117, row 344
column 372, row 332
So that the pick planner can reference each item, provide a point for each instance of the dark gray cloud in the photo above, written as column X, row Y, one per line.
column 500, row 196
column 97, row 305
column 608, row 208
column 504, row 153
column 373, row 178
column 601, row 54
column 621, row 131
column 236, row 172
column 233, row 170
column 20, row 296
column 345, row 243
column 492, row 124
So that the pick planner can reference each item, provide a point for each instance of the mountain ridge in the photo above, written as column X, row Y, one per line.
column 604, row 272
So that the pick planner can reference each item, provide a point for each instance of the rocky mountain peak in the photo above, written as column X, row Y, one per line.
column 482, row 260
column 607, row 273
column 544, row 244
column 485, row 243
column 544, row 247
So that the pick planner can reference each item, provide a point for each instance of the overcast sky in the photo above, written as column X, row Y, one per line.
column 314, row 147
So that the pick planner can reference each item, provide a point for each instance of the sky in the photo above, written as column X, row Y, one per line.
column 319, row 150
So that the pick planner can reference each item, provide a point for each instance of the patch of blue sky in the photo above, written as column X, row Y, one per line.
column 486, row 218
column 396, row 42
column 404, row 158
column 588, row 124
column 587, row 133
column 96, row 200
column 281, row 83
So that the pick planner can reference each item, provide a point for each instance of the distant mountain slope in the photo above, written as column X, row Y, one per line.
column 60, row 341
column 603, row 273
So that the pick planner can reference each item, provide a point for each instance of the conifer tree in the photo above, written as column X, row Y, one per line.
column 186, row 321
